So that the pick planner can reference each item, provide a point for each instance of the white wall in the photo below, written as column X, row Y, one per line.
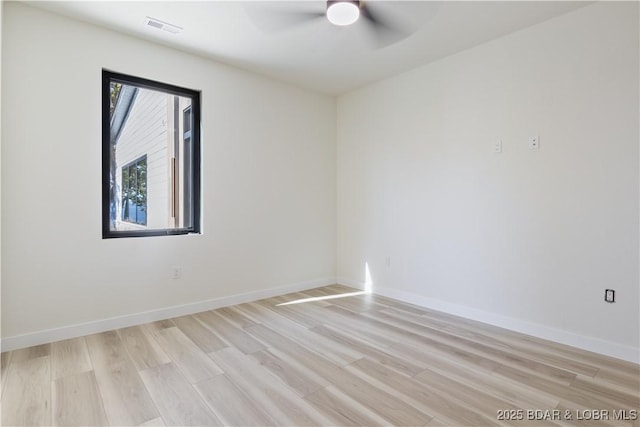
column 524, row 239
column 268, row 182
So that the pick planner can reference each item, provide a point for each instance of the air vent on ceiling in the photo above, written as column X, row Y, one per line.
column 161, row 25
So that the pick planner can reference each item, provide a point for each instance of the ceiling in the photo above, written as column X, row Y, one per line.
column 260, row 35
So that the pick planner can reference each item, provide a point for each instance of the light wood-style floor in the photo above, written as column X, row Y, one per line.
column 348, row 360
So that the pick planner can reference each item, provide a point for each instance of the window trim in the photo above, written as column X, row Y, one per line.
column 107, row 78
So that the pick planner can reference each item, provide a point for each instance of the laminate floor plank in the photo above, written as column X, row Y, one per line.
column 505, row 345
column 400, row 305
column 343, row 410
column 331, row 349
column 609, row 394
column 569, row 396
column 501, row 387
column 76, row 401
column 156, row 422
column 322, row 366
column 303, row 380
column 232, row 406
column 302, row 317
column 368, row 336
column 189, row 359
column 31, row 353
column 573, row 420
column 498, row 355
column 142, row 348
column 69, row 357
column 481, row 354
column 446, row 327
column 267, row 390
column 255, row 314
column 528, row 342
column 378, row 331
column 300, row 297
column 396, row 410
column 470, row 397
column 580, row 414
column 159, row 325
column 341, row 289
column 258, row 313
column 235, row 317
column 496, row 332
column 437, row 422
column 197, row 332
column 419, row 341
column 382, row 356
column 230, row 333
column 356, row 303
column 125, row 399
column 178, row 402
column 5, row 359
column 596, row 359
column 625, row 381
column 27, row 397
column 343, row 320
column 293, row 297
column 430, row 401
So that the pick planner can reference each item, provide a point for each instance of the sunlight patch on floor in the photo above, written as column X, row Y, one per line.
column 323, row 298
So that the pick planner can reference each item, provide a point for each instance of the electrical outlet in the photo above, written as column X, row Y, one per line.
column 497, row 146
column 609, row 295
column 176, row 273
column 534, row 143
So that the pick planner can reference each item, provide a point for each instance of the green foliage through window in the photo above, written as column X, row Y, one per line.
column 134, row 192
column 114, row 92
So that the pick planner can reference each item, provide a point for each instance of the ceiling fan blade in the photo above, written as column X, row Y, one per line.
column 275, row 19
column 384, row 31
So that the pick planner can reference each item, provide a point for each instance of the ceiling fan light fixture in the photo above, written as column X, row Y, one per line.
column 343, row 12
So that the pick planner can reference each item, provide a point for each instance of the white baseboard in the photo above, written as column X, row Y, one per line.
column 78, row 330
column 596, row 345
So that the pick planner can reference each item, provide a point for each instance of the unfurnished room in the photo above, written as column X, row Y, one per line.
column 320, row 213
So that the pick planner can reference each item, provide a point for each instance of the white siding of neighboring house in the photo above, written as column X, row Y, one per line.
column 146, row 131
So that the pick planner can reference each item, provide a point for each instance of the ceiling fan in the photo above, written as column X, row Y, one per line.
column 347, row 12
column 372, row 15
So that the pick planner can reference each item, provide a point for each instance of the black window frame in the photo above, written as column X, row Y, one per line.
column 195, row 228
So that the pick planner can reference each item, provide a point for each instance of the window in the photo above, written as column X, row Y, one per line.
column 150, row 158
